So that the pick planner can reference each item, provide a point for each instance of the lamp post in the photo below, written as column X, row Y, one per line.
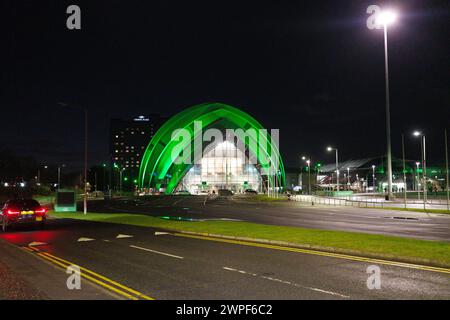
column 404, row 169
column 386, row 18
column 446, row 169
column 348, row 178
column 309, row 176
column 59, row 175
column 373, row 177
column 417, row 180
column 308, row 162
column 337, row 165
column 424, row 165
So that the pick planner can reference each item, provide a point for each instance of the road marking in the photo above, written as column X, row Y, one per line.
column 320, row 253
column 160, row 233
column 36, row 243
column 85, row 239
column 286, row 282
column 122, row 236
column 94, row 277
column 158, row 252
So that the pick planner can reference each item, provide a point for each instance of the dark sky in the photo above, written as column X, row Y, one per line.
column 310, row 68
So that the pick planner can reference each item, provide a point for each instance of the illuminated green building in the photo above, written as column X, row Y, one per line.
column 172, row 161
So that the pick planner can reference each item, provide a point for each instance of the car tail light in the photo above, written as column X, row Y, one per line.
column 12, row 212
column 40, row 211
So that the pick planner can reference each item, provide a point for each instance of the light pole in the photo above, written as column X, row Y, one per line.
column 373, row 177
column 59, row 175
column 308, row 162
column 404, row 169
column 85, row 154
column 309, row 176
column 348, row 178
column 446, row 169
column 424, row 165
column 386, row 18
column 417, row 180
column 337, row 165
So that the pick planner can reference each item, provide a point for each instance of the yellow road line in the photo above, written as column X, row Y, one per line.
column 319, row 253
column 131, row 294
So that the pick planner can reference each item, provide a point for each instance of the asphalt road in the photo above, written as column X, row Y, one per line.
column 169, row 266
column 376, row 221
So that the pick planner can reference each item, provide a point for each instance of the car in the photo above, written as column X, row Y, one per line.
column 250, row 191
column 19, row 211
column 225, row 192
column 182, row 192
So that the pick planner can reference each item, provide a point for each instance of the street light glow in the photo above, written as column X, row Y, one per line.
column 386, row 17
column 329, row 149
column 416, row 133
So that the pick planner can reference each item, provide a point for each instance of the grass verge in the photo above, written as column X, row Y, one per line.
column 398, row 248
column 415, row 210
column 264, row 198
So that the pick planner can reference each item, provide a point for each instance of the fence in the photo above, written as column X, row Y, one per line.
column 364, row 202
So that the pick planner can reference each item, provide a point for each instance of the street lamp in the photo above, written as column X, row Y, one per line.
column 59, row 175
column 417, row 180
column 386, row 18
column 337, row 165
column 348, row 177
column 309, row 175
column 373, row 177
column 424, row 164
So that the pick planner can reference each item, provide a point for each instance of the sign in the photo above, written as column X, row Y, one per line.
column 65, row 201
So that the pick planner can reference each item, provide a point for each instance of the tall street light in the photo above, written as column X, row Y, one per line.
column 308, row 162
column 373, row 177
column 417, row 180
column 424, row 164
column 348, row 177
column 386, row 18
column 59, row 175
column 337, row 165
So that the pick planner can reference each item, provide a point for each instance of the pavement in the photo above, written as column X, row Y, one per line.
column 150, row 263
column 289, row 213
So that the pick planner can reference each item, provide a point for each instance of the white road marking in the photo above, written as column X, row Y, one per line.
column 82, row 239
column 160, row 233
column 121, row 236
column 286, row 282
column 36, row 243
column 158, row 252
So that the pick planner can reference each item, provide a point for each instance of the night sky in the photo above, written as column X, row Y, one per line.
column 310, row 68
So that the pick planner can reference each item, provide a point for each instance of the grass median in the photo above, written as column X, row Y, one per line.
column 398, row 248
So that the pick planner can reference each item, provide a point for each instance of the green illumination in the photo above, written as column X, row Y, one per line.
column 157, row 166
column 125, row 178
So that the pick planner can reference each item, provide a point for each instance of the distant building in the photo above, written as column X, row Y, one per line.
column 128, row 140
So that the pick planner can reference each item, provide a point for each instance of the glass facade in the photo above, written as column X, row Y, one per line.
column 223, row 167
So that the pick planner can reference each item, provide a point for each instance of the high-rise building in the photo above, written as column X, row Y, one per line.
column 128, row 140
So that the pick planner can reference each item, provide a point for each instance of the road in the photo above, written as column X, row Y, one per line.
column 376, row 221
column 174, row 266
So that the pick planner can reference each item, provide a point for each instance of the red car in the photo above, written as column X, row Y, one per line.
column 22, row 211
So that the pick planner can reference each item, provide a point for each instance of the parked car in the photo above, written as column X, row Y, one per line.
column 182, row 192
column 250, row 191
column 19, row 211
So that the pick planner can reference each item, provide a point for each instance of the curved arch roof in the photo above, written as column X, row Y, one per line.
column 157, row 164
